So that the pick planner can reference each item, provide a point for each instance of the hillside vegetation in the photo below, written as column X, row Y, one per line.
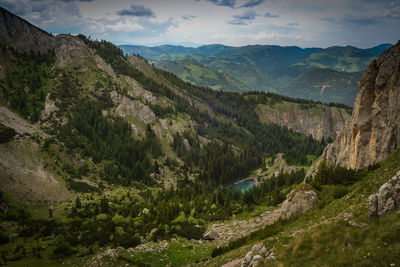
column 290, row 71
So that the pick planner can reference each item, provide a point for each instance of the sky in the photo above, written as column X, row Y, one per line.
column 304, row 23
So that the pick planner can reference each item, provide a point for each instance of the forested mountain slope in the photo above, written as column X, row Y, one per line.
column 290, row 71
column 107, row 160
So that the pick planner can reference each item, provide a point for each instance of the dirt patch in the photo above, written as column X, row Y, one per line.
column 23, row 175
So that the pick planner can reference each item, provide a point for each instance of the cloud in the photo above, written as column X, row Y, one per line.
column 361, row 21
column 253, row 3
column 136, row 11
column 293, row 24
column 243, row 19
column 353, row 21
column 125, row 26
column 248, row 15
column 236, row 22
column 19, row 9
column 229, row 3
column 269, row 15
column 185, row 17
column 67, row 1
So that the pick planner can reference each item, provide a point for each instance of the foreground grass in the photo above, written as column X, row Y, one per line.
column 324, row 237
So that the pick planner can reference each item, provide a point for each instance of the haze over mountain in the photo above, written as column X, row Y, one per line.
column 327, row 75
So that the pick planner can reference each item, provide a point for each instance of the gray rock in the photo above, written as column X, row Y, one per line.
column 263, row 251
column 386, row 199
column 255, row 260
column 211, row 235
column 247, row 259
column 373, row 207
column 357, row 224
column 298, row 202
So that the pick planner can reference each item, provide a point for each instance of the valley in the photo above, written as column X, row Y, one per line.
column 208, row 156
column 325, row 75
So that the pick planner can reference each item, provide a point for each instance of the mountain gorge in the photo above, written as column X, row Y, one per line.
column 107, row 160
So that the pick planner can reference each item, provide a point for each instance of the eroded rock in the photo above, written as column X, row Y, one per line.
column 257, row 254
column 373, row 132
column 299, row 201
column 386, row 199
column 211, row 235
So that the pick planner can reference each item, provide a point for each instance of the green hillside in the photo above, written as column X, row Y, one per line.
column 290, row 71
column 194, row 72
column 325, row 85
column 349, row 58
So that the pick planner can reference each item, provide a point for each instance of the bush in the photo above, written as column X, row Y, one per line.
column 63, row 247
column 339, row 192
column 334, row 175
column 6, row 134
column 188, row 230
column 4, row 239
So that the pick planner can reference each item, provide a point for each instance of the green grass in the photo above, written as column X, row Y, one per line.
column 324, row 240
column 177, row 253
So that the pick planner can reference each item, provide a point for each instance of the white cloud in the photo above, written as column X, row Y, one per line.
column 125, row 26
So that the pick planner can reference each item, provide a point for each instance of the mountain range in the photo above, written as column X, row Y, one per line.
column 287, row 71
column 107, row 160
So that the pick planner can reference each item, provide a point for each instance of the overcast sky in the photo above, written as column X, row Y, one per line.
column 304, row 23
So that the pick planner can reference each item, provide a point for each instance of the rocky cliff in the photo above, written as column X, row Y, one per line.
column 22, row 35
column 373, row 132
column 320, row 121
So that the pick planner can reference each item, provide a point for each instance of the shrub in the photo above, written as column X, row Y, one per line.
column 4, row 239
column 334, row 175
column 339, row 192
column 188, row 230
column 63, row 247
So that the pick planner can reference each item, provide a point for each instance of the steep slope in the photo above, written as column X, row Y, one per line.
column 13, row 31
column 320, row 121
column 373, row 132
column 326, row 85
column 194, row 72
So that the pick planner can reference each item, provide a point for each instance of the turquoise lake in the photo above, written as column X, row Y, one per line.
column 243, row 186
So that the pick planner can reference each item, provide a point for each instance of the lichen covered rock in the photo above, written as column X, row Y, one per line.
column 299, row 200
column 386, row 199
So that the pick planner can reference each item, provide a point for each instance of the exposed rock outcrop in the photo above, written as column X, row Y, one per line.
column 386, row 199
column 373, row 132
column 70, row 48
column 257, row 253
column 22, row 35
column 129, row 107
column 298, row 202
column 211, row 235
column 319, row 121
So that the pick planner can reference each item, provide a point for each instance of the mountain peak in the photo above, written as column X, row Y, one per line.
column 22, row 35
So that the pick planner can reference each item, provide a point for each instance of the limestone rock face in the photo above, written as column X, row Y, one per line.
column 386, row 199
column 320, row 122
column 22, row 35
column 298, row 201
column 70, row 48
column 373, row 131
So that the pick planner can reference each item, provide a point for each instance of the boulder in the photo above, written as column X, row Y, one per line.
column 386, row 199
column 257, row 253
column 211, row 235
column 299, row 200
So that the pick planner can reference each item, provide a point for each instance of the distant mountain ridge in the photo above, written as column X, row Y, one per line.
column 288, row 70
